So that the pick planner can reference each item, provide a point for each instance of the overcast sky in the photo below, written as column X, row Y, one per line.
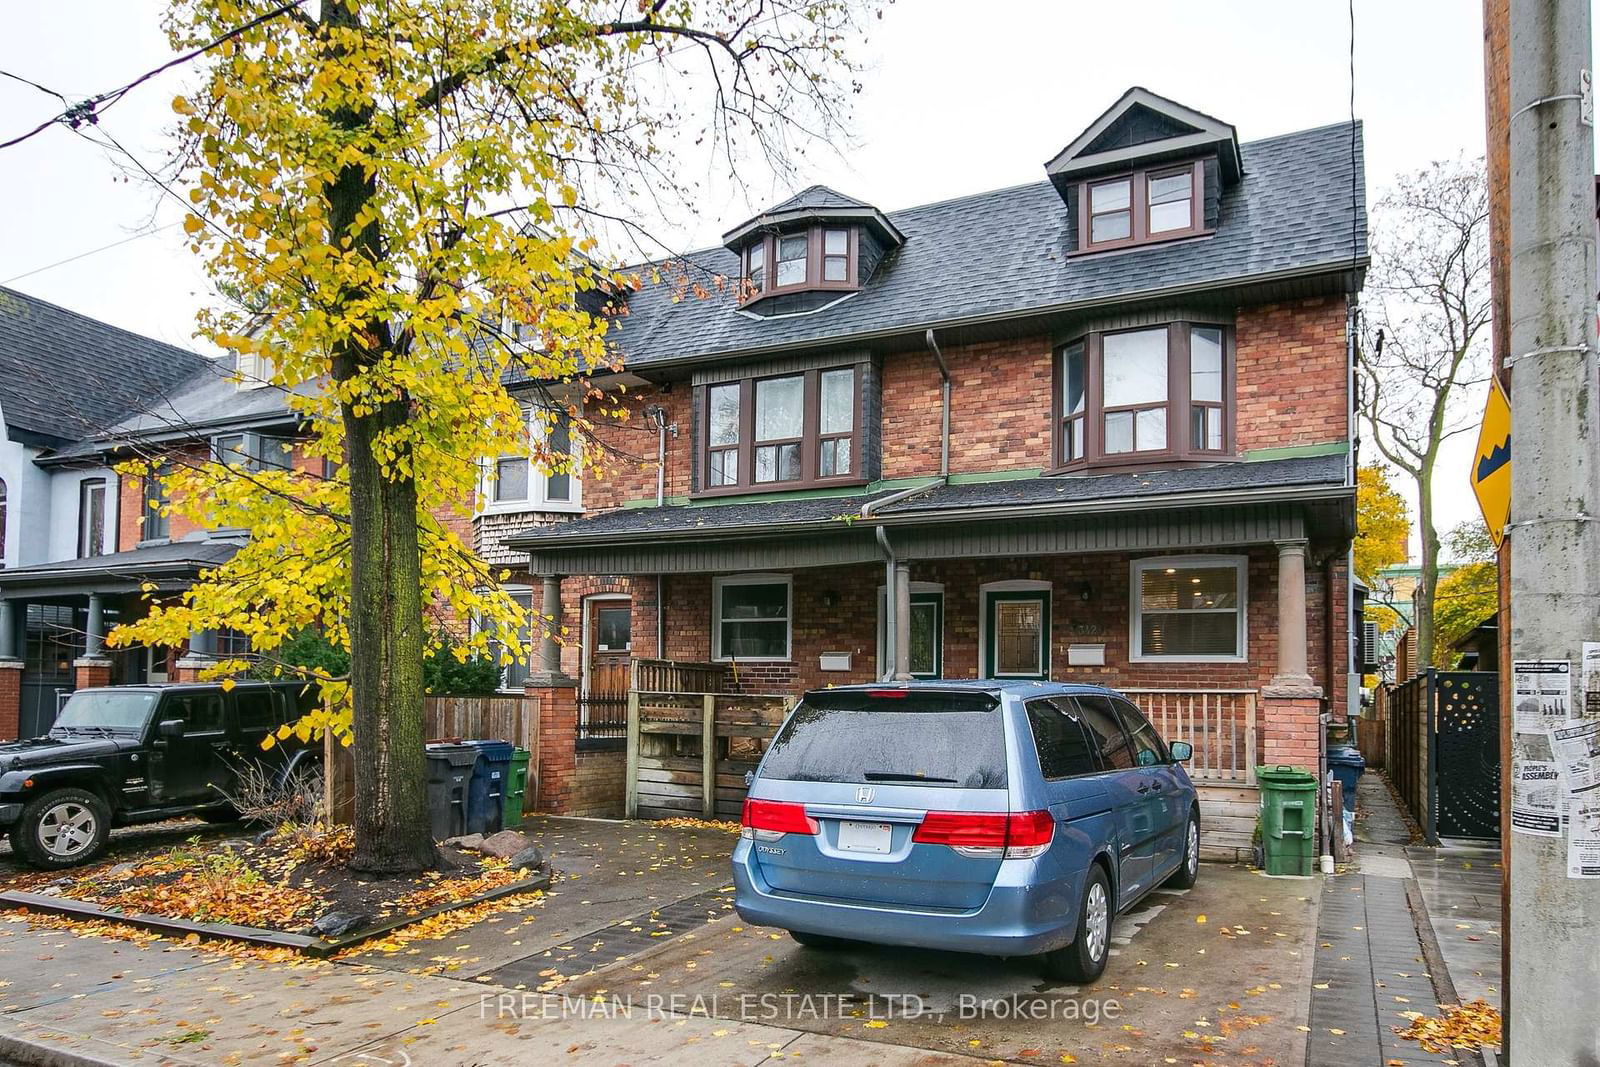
column 959, row 98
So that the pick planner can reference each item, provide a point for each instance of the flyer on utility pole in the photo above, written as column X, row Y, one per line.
column 1591, row 679
column 1583, row 836
column 1576, row 746
column 1541, row 694
column 1537, row 799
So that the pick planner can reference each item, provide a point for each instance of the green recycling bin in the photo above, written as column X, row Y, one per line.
column 1288, row 819
column 516, row 786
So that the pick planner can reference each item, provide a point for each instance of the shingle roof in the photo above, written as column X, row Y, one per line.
column 65, row 376
column 818, row 196
column 1004, row 253
column 1040, row 492
column 136, row 564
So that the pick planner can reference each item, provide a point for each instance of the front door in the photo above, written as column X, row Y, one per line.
column 603, row 706
column 1016, row 634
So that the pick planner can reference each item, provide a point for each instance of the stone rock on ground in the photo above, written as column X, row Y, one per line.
column 532, row 858
column 470, row 842
column 504, row 845
column 337, row 923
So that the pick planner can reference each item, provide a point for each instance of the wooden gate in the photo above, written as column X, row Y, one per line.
column 1444, row 758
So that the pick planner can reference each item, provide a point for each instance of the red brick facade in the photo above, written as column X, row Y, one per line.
column 10, row 698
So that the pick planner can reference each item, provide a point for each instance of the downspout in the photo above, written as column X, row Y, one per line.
column 886, row 671
column 944, row 419
column 657, row 415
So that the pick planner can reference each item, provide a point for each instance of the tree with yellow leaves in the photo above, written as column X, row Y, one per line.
column 413, row 193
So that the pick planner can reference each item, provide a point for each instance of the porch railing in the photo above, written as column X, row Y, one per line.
column 1219, row 723
column 688, row 753
column 678, row 676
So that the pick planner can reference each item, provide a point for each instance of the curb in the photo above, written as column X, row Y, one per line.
column 18, row 1049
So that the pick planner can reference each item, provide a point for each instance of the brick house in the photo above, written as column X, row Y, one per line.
column 1094, row 428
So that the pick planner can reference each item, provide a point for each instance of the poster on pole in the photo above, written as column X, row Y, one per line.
column 1591, row 679
column 1576, row 746
column 1541, row 694
column 1583, row 836
column 1536, row 798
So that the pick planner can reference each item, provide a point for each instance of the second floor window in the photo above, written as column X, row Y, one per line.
column 156, row 525
column 252, row 451
column 521, row 481
column 1162, row 392
column 91, row 517
column 786, row 430
column 1156, row 204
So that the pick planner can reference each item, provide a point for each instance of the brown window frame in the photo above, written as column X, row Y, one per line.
column 810, row 439
column 1179, row 406
column 1139, row 207
column 767, row 244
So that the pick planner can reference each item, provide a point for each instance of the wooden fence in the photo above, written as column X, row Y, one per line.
column 688, row 753
column 1219, row 723
column 488, row 718
column 677, row 676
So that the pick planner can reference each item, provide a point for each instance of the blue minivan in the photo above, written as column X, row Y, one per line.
column 1005, row 818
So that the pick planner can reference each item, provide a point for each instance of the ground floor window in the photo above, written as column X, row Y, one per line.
column 1016, row 627
column 1188, row 608
column 927, row 630
column 751, row 617
column 513, row 675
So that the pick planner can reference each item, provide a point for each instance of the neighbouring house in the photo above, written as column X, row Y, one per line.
column 1094, row 428
column 64, row 379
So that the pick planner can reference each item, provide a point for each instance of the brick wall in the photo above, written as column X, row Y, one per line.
column 10, row 699
column 599, row 788
column 1292, row 383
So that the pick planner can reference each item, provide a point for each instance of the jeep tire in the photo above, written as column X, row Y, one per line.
column 62, row 828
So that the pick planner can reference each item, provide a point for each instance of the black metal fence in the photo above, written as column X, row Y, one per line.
column 1444, row 759
column 603, row 721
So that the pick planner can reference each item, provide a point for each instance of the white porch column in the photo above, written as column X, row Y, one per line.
column 902, row 621
column 547, row 670
column 1292, row 616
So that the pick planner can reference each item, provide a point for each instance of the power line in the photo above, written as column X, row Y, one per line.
column 88, row 111
column 90, row 252
column 36, row 85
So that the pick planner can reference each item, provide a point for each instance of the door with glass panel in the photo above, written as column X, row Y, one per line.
column 1016, row 634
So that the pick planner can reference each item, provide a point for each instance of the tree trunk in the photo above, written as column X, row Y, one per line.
column 1428, row 579
column 392, row 831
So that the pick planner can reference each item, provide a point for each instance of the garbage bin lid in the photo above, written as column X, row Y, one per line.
column 1286, row 776
column 1345, row 757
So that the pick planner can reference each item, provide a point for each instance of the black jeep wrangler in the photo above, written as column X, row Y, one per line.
column 141, row 753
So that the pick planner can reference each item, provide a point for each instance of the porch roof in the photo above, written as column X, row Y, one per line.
column 170, row 566
column 1188, row 508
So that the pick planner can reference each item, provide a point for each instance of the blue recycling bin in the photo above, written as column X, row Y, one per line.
column 1346, row 764
column 486, row 798
column 450, row 777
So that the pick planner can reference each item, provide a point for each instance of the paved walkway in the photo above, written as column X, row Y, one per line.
column 1371, row 964
column 1461, row 885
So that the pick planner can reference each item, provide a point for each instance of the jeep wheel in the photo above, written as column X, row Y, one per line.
column 63, row 828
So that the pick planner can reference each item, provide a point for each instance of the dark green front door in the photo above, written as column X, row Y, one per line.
column 1016, row 634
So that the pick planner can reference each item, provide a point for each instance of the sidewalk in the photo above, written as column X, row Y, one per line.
column 1373, row 956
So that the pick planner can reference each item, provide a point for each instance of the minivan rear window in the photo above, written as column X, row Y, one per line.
column 892, row 737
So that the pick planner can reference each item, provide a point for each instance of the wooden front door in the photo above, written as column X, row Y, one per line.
column 608, row 648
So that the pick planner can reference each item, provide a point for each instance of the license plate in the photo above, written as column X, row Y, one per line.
column 865, row 836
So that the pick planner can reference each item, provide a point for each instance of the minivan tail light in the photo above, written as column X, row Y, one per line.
column 764, row 820
column 1017, row 835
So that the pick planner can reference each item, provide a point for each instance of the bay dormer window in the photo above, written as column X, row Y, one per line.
column 818, row 257
column 1155, row 393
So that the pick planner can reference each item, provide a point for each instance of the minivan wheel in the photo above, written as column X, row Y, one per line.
column 1188, row 871
column 816, row 940
column 1085, row 959
column 62, row 828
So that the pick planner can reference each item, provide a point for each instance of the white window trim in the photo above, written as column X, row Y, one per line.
column 538, row 480
column 1013, row 585
column 787, row 581
column 883, row 620
column 1240, row 564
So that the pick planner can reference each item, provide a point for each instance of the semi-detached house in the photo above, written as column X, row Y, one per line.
column 1094, row 428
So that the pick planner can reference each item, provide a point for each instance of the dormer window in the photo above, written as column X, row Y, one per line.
column 819, row 257
column 1157, row 204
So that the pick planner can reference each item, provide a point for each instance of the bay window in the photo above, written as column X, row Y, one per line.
column 1152, row 393
column 751, row 617
column 817, row 257
column 781, row 431
column 1188, row 608
column 520, row 482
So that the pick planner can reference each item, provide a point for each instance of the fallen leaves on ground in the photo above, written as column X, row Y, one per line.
column 1469, row 1026
column 687, row 823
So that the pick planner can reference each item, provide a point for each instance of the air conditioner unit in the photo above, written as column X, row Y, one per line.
column 1367, row 659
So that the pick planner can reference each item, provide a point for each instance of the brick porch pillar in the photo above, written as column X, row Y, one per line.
column 93, row 668
column 196, row 658
column 10, row 674
column 1291, row 704
column 556, row 697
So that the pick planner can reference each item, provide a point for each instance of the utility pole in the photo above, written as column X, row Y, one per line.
column 1555, row 495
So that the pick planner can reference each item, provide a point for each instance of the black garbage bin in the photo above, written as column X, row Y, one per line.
column 486, row 798
column 450, row 775
column 1346, row 764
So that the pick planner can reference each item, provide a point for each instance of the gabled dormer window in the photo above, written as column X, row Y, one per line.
column 1154, row 204
column 819, row 257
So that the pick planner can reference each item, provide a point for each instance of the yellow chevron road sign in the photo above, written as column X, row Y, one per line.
column 1491, row 464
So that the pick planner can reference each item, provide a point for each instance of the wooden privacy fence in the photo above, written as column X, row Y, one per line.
column 1219, row 723
column 677, row 676
column 488, row 718
column 688, row 753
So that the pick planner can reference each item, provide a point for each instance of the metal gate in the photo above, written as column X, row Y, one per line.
column 1445, row 762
